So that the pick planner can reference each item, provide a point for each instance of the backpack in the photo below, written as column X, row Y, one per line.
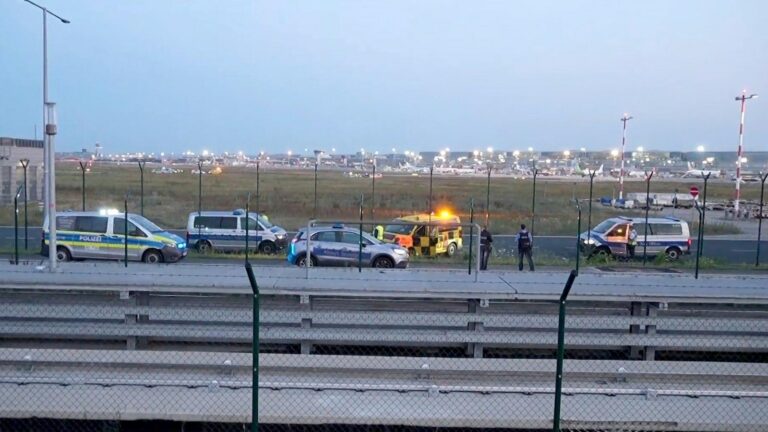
column 524, row 241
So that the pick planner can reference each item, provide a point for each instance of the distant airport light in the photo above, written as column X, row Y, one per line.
column 516, row 153
column 583, row 150
column 640, row 149
column 566, row 153
column 700, row 148
column 530, row 149
column 490, row 149
column 290, row 152
column 476, row 153
column 548, row 161
column 710, row 159
column 743, row 160
column 614, row 153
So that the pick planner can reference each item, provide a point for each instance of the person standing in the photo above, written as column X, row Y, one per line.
column 524, row 247
column 631, row 242
column 486, row 245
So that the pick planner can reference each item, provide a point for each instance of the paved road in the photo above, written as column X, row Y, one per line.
column 727, row 250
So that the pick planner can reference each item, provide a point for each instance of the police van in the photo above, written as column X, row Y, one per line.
column 102, row 235
column 667, row 235
column 225, row 231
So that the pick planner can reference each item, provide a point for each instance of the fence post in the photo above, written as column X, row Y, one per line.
column 488, row 196
column 763, row 177
column 24, row 164
column 589, row 211
column 533, row 199
column 471, row 231
column 247, row 230
column 314, row 210
column 199, row 200
column 125, row 229
column 698, row 238
column 82, row 177
column 16, row 224
column 373, row 193
column 700, row 248
column 578, row 236
column 254, row 349
column 360, row 240
column 561, row 351
column 648, row 177
column 141, row 175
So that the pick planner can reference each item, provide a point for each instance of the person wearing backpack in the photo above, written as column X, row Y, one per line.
column 524, row 247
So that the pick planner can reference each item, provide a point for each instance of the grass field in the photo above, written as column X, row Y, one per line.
column 287, row 196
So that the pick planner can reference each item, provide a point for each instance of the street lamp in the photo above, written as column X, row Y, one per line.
column 743, row 98
column 46, row 150
column 50, row 131
column 624, row 119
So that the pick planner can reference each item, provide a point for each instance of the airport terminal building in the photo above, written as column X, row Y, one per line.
column 12, row 152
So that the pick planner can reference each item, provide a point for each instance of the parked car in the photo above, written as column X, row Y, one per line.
column 225, row 231
column 340, row 246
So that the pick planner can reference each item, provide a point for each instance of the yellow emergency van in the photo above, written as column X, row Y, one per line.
column 426, row 235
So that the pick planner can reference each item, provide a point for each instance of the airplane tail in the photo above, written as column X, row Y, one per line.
column 690, row 166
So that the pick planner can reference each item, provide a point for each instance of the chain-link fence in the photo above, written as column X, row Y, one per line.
column 112, row 358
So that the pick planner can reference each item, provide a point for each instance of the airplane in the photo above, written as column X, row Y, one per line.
column 406, row 167
column 577, row 170
column 166, row 170
column 692, row 172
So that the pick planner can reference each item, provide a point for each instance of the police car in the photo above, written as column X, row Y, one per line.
column 340, row 246
column 669, row 236
column 102, row 235
column 225, row 231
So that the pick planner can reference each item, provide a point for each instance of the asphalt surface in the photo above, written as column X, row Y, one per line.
column 721, row 249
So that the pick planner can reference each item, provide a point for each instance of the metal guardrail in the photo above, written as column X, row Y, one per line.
column 141, row 318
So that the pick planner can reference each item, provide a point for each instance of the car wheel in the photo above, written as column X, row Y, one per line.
column 302, row 261
column 204, row 247
column 383, row 262
column 152, row 257
column 451, row 249
column 673, row 254
column 601, row 253
column 267, row 248
column 62, row 254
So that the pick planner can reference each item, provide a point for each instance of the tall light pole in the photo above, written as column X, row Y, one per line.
column 743, row 98
column 50, row 131
column 624, row 119
column 46, row 149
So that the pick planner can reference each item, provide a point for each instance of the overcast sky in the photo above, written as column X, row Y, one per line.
column 177, row 75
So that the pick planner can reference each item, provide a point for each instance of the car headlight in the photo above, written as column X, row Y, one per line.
column 589, row 241
column 280, row 236
column 401, row 252
column 181, row 245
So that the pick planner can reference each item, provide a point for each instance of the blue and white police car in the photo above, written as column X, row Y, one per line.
column 340, row 246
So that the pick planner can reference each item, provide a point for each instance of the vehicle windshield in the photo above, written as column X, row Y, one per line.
column 146, row 224
column 264, row 222
column 603, row 226
column 399, row 229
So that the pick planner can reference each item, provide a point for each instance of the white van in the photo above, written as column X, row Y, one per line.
column 103, row 235
column 667, row 235
column 225, row 231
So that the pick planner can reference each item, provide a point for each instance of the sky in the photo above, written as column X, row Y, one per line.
column 230, row 75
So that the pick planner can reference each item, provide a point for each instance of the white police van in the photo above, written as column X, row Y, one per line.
column 225, row 231
column 102, row 235
column 666, row 235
